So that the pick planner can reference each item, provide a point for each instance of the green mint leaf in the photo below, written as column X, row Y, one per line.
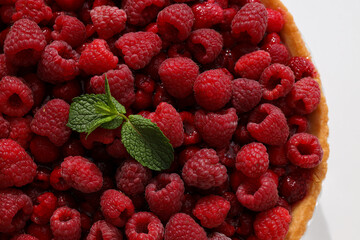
column 115, row 123
column 99, row 123
column 145, row 142
column 103, row 109
column 108, row 95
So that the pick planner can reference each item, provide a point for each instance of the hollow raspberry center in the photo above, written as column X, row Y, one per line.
column 15, row 100
column 273, row 82
column 162, row 184
column 304, row 149
column 65, row 218
column 260, row 117
column 171, row 30
column 142, row 227
column 200, row 49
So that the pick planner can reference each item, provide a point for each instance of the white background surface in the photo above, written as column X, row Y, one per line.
column 331, row 29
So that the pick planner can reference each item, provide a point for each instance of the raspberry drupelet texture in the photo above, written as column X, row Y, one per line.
column 58, row 63
column 16, row 167
column 99, row 135
column 277, row 155
column 20, row 130
column 65, row 224
column 15, row 210
column 164, row 195
column 16, row 97
column 37, row 86
column 302, row 67
column 24, row 237
column 211, row 210
column 298, row 124
column 116, row 207
column 182, row 227
column 4, row 127
column 207, row 14
column 278, row 52
column 178, row 76
column 42, row 232
column 67, row 91
column 253, row 64
column 35, row 10
column 216, row 128
column 144, row 225
column 204, row 170
column 69, row 29
column 212, row 89
column 43, row 150
column 50, row 121
column 276, row 21
column 139, row 48
column 252, row 160
column 81, row 174
column 24, row 43
column 246, row 94
column 218, row 236
column 47, row 203
column 104, row 230
column 175, row 22
column 57, row 181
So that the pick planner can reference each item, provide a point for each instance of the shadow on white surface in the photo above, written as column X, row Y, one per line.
column 318, row 228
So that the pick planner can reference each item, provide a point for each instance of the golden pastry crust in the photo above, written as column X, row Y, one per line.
column 302, row 211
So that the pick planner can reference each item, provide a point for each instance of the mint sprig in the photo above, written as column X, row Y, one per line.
column 142, row 138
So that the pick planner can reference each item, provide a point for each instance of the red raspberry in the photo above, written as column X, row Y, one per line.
column 4, row 127
column 20, row 130
column 216, row 129
column 246, row 94
column 253, row 64
column 57, row 181
column 182, row 227
column 141, row 13
column 272, row 224
column 268, row 125
column 35, row 10
column 298, row 124
column 6, row 68
column 277, row 155
column 67, row 91
column 97, row 58
column 24, row 237
column 70, row 5
column 44, row 209
column 175, row 22
column 58, row 63
column 81, row 174
column 186, row 154
column 132, row 178
column 73, row 148
column 65, row 224
column 144, row 225
column 191, row 135
column 178, row 75
column 211, row 210
column 42, row 232
column 15, row 209
column 6, row 12
column 152, row 69
column 121, row 82
column 50, row 121
column 258, row 194
column 235, row 207
column 252, row 160
column 116, row 207
column 278, row 52
column 69, row 29
column 250, row 22
column 16, row 166
column 104, row 230
column 117, row 149
column 293, row 186
column 108, row 20
column 302, row 67
column 204, row 170
column 178, row 50
column 276, row 21
column 42, row 178
column 205, row 45
column 271, row 38
column 37, row 86
column 139, row 48
column 227, row 155
column 212, row 89
column 226, row 229
column 218, row 236
column 164, row 195
column 305, row 96
column 277, row 80
column 207, row 14
column 24, row 43
column 16, row 98
column 43, row 150
column 169, row 121
column 99, row 135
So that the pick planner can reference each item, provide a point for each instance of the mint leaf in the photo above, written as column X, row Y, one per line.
column 115, row 123
column 145, row 142
column 99, row 123
column 108, row 95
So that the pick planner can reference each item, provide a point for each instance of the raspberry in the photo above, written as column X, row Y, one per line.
column 164, row 195
column 298, row 124
column 69, row 29
column 182, row 227
column 117, row 149
column 258, row 194
column 73, row 148
column 121, row 82
column 42, row 178
column 293, row 186
column 178, row 50
column 175, row 22
column 141, row 13
column 50, row 121
column 6, row 12
column 267, row 124
column 235, row 207
column 305, row 96
column 272, row 224
column 216, row 129
column 16, row 166
column 43, row 150
column 6, row 67
column 205, row 45
column 116, row 207
column 16, row 98
column 20, row 131
column 207, row 14
column 4, row 127
column 138, row 48
column 15, row 209
column 132, row 178
column 38, row 88
column 302, row 67
column 186, row 154
column 70, row 5
column 99, row 135
column 211, row 210
column 144, row 225
column 97, row 58
column 271, row 38
column 178, row 75
column 58, row 63
column 81, row 174
column 252, row 160
column 246, row 94
column 250, row 23
column 24, row 237
column 227, row 155
column 65, row 224
column 277, row 155
column 276, row 21
column 212, row 89
column 108, row 20
column 277, row 80
column 104, row 230
column 278, row 52
column 35, row 10
column 24, row 43
column 152, row 69
column 169, row 121
column 44, row 210
column 253, row 64
column 57, row 181
column 191, row 135
column 42, row 232
column 218, row 236
column 204, row 170
column 67, row 91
